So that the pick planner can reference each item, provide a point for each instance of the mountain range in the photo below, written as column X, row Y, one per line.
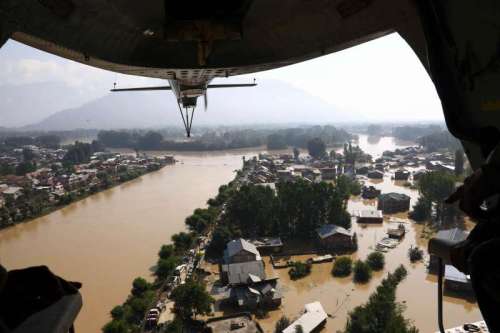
column 271, row 102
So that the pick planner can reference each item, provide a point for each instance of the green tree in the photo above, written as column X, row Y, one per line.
column 115, row 326
column 191, row 299
column 342, row 267
column 436, row 187
column 117, row 312
column 166, row 267
column 299, row 270
column 415, row 254
column 362, row 272
column 25, row 167
column 381, row 314
column 276, row 141
column 140, row 286
column 316, row 148
column 150, row 141
column 183, row 241
column 421, row 210
column 376, row 261
column 281, row 324
column 166, row 251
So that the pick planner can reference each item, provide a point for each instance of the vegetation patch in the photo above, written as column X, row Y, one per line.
column 299, row 270
column 381, row 313
column 362, row 272
column 342, row 267
column 415, row 254
column 376, row 261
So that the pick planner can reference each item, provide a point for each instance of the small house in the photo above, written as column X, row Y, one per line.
column 375, row 174
column 13, row 192
column 370, row 216
column 313, row 319
column 285, row 175
column 328, row 173
column 268, row 244
column 370, row 192
column 240, row 250
column 333, row 237
column 391, row 203
column 236, row 323
column 242, row 263
column 264, row 293
column 456, row 281
column 401, row 175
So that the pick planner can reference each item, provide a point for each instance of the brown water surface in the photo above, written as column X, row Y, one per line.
column 108, row 239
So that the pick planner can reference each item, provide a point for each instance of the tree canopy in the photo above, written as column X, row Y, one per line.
column 191, row 299
column 381, row 314
column 316, row 148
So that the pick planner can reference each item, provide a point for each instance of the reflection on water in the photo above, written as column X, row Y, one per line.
column 108, row 239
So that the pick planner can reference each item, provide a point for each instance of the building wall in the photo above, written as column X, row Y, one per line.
column 336, row 241
column 393, row 206
column 370, row 219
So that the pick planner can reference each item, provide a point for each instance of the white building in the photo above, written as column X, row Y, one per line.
column 314, row 316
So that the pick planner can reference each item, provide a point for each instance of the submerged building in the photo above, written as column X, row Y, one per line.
column 391, row 203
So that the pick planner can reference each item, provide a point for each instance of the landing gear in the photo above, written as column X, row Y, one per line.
column 187, row 117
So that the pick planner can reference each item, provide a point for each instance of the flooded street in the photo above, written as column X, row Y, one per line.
column 418, row 292
column 108, row 239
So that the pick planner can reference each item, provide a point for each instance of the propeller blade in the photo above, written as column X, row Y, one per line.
column 143, row 89
column 205, row 100
column 234, row 85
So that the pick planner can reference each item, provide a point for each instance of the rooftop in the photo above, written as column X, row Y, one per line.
column 237, row 245
column 314, row 316
column 394, row 196
column 331, row 229
column 371, row 214
column 454, row 234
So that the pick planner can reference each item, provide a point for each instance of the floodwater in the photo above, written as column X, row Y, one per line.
column 108, row 239
column 338, row 296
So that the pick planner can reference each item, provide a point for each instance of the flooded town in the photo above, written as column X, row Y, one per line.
column 250, row 280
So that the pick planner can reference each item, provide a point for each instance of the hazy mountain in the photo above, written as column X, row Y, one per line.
column 30, row 103
column 269, row 102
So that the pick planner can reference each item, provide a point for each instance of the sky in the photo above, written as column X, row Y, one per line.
column 382, row 80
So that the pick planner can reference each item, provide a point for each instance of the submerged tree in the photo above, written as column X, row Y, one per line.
column 381, row 314
column 376, row 261
column 362, row 272
column 342, row 267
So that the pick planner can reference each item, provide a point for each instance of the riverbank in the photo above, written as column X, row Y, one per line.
column 45, row 190
column 108, row 239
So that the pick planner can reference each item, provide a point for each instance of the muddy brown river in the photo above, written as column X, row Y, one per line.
column 108, row 239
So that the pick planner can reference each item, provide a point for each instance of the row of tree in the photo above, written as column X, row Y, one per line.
column 294, row 210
